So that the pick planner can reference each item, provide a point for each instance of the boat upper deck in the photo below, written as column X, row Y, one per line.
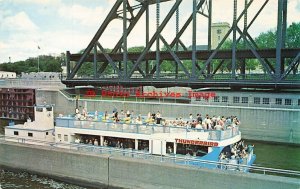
column 144, row 127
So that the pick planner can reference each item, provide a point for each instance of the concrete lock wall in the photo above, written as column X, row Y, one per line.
column 133, row 173
column 276, row 125
column 104, row 171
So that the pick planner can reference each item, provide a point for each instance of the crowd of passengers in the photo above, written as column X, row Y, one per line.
column 238, row 151
column 206, row 122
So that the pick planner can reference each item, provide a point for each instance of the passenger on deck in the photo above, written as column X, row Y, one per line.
column 169, row 150
column 220, row 121
column 128, row 113
column 77, row 140
column 158, row 118
column 105, row 115
column 213, row 121
column 96, row 115
column 222, row 156
column 218, row 127
column 105, row 143
column 199, row 118
column 153, row 116
column 96, row 143
column 204, row 125
column 208, row 122
column 193, row 124
column 118, row 144
column 138, row 119
column 113, row 115
column 84, row 112
column 199, row 126
column 122, row 114
column 235, row 122
column 228, row 121
column 116, row 118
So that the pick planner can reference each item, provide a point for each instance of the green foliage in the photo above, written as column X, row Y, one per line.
column 293, row 36
column 46, row 64
column 85, row 70
column 266, row 40
column 269, row 39
column 136, row 49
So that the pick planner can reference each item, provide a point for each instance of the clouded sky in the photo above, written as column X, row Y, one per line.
column 60, row 25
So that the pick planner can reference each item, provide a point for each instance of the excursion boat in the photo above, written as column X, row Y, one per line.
column 148, row 135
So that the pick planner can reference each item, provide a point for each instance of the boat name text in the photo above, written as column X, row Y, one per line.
column 196, row 142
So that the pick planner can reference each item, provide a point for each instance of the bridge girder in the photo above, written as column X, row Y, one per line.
column 125, row 65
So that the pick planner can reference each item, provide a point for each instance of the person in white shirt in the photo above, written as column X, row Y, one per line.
column 96, row 143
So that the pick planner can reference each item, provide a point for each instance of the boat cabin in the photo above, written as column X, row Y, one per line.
column 42, row 128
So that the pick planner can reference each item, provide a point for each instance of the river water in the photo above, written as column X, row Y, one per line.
column 279, row 156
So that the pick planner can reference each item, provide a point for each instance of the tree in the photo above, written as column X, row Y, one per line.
column 293, row 36
column 266, row 40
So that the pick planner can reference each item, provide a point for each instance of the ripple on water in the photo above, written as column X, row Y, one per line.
column 12, row 180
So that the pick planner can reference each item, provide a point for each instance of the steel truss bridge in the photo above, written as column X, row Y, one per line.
column 120, row 67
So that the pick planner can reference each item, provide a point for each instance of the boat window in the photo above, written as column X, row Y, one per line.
column 30, row 134
column 266, row 101
column 193, row 150
column 256, row 100
column 39, row 109
column 244, row 100
column 216, row 99
column 236, row 99
column 16, row 132
column 169, row 147
column 288, row 101
column 119, row 142
column 87, row 139
column 59, row 136
column 225, row 99
column 298, row 102
column 278, row 101
column 66, row 138
column 143, row 145
column 46, row 133
column 49, row 109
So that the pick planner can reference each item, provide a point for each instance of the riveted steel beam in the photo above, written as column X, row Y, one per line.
column 154, row 37
column 98, row 34
column 132, row 24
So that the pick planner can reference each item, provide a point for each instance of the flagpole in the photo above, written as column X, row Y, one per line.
column 38, row 62
column 38, row 58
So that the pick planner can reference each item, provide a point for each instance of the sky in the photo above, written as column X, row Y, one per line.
column 29, row 28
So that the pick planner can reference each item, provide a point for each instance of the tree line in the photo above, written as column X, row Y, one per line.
column 43, row 63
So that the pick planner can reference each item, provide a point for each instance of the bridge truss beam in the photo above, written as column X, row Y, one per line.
column 118, row 66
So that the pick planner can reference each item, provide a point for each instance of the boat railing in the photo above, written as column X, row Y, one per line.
column 148, row 129
column 185, row 160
